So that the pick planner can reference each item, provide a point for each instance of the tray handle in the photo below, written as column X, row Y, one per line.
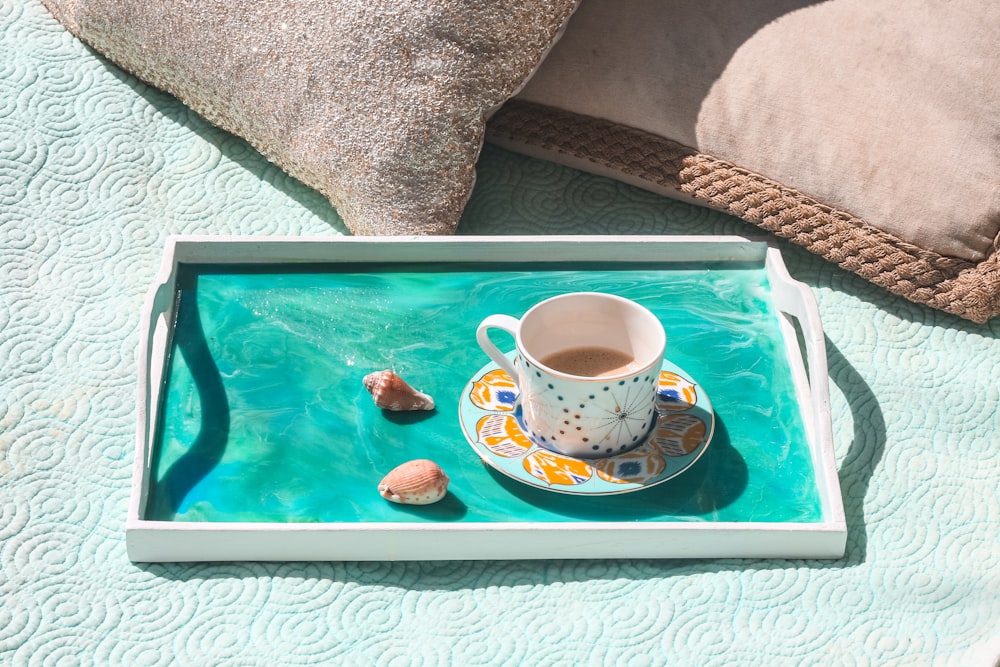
column 796, row 300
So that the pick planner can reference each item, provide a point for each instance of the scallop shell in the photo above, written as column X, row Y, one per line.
column 391, row 392
column 417, row 482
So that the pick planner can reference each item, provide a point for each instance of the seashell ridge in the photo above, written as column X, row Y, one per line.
column 416, row 482
column 391, row 392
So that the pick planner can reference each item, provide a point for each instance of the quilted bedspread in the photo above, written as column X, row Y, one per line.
column 97, row 169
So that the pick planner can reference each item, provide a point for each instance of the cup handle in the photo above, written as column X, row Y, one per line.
column 506, row 323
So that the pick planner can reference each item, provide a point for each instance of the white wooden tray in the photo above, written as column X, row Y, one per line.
column 779, row 499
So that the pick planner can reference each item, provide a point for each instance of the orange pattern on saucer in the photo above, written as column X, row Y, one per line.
column 503, row 436
column 554, row 468
column 494, row 391
column 675, row 392
column 636, row 466
column 679, row 435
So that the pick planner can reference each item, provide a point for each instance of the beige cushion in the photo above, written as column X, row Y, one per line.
column 379, row 105
column 868, row 132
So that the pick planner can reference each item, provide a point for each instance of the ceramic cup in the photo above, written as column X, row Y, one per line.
column 587, row 366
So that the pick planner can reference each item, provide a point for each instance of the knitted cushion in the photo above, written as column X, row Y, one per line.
column 379, row 105
column 865, row 132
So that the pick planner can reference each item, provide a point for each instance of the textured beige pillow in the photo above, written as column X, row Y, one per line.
column 378, row 104
column 868, row 132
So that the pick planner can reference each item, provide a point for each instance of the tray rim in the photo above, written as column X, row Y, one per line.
column 166, row 541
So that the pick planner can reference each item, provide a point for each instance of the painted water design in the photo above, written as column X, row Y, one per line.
column 265, row 418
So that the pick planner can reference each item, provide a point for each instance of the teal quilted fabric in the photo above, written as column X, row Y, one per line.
column 96, row 170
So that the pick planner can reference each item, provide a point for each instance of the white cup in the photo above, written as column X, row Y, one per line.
column 566, row 406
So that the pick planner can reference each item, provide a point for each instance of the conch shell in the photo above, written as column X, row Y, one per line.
column 416, row 482
column 392, row 393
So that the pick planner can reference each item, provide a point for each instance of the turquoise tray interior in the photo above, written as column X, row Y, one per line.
column 263, row 416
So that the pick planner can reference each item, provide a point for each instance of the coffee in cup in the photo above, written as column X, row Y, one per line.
column 591, row 361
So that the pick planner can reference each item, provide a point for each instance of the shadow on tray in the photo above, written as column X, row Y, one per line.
column 208, row 447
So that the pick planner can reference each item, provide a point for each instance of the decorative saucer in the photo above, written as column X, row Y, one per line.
column 490, row 415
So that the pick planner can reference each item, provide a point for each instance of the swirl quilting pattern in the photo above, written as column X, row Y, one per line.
column 96, row 169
